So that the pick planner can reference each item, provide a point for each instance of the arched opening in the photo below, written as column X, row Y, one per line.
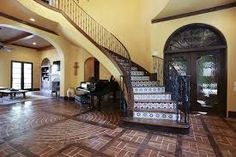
column 45, row 75
column 91, row 69
column 199, row 50
column 41, row 55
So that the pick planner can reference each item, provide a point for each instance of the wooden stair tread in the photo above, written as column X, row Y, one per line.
column 154, row 122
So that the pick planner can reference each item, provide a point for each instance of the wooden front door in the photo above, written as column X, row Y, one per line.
column 208, row 81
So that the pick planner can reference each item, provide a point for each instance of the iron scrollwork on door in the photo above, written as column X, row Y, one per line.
column 193, row 37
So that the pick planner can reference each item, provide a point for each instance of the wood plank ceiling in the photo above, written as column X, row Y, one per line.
column 10, row 36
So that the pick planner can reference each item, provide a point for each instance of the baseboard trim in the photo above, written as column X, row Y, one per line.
column 232, row 114
column 67, row 98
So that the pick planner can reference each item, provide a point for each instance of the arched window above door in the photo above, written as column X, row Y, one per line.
column 195, row 36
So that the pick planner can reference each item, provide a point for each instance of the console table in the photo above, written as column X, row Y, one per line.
column 12, row 93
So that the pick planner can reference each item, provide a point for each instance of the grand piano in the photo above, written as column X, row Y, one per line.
column 88, row 91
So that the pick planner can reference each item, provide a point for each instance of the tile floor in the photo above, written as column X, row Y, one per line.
column 55, row 128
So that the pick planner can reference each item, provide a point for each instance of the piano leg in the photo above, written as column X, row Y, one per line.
column 99, row 103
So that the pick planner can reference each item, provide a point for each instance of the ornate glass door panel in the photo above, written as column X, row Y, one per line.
column 180, row 63
column 207, row 81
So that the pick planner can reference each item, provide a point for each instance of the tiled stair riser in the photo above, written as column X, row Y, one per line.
column 140, row 78
column 155, row 106
column 155, row 115
column 144, row 83
column 152, row 97
column 149, row 89
column 137, row 73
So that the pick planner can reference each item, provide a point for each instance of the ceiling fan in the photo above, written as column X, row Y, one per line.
column 5, row 48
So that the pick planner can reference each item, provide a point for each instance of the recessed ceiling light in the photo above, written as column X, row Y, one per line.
column 34, row 43
column 32, row 19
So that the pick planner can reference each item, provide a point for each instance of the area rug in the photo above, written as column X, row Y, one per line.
column 19, row 99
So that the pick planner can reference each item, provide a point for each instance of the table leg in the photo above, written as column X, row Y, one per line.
column 24, row 95
column 11, row 96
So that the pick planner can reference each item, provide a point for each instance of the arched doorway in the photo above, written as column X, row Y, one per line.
column 199, row 50
column 45, row 75
column 91, row 69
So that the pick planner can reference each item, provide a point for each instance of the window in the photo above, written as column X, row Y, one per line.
column 21, row 75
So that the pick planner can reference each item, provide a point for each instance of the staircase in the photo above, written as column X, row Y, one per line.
column 145, row 104
column 153, row 108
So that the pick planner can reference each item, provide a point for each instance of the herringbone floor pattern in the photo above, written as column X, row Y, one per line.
column 56, row 128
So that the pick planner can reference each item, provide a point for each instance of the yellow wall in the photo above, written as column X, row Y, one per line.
column 104, row 74
column 224, row 21
column 129, row 21
column 19, row 54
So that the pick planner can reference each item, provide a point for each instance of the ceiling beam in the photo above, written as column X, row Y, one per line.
column 202, row 11
column 49, row 47
column 20, row 37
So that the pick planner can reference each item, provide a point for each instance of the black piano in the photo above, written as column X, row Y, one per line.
column 87, row 91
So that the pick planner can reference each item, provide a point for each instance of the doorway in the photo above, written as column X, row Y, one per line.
column 199, row 50
column 91, row 69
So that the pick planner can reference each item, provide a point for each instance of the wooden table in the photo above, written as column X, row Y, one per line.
column 12, row 93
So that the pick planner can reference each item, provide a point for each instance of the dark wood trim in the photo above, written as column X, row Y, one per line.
column 203, row 11
column 26, row 23
column 49, row 47
column 22, row 73
column 232, row 114
column 24, row 46
column 17, row 38
column 198, row 49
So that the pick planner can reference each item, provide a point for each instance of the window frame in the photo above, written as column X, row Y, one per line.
column 22, row 73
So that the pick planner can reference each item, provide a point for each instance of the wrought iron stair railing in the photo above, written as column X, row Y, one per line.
column 177, row 85
column 96, row 33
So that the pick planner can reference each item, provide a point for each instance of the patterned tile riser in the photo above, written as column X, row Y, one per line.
column 140, row 78
column 124, row 64
column 155, row 106
column 149, row 90
column 155, row 115
column 144, row 83
column 162, row 97
column 137, row 73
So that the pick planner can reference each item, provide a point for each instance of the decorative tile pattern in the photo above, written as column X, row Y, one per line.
column 140, row 78
column 155, row 115
column 137, row 73
column 152, row 97
column 144, row 83
column 149, row 90
column 155, row 105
